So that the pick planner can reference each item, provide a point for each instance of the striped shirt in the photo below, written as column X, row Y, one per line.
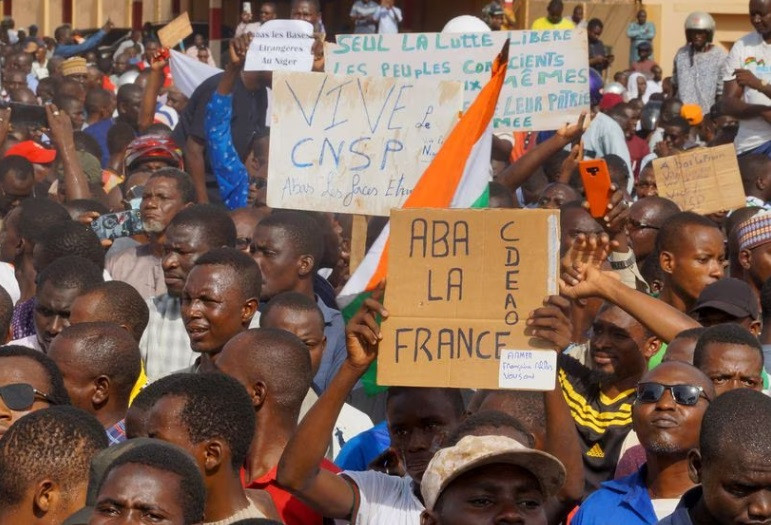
column 602, row 422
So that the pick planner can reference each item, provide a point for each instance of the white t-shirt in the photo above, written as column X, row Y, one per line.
column 388, row 20
column 664, row 507
column 9, row 282
column 752, row 53
column 385, row 500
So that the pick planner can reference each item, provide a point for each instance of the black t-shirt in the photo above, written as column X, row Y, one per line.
column 249, row 112
column 602, row 423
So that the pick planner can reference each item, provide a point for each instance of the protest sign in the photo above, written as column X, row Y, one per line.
column 705, row 180
column 461, row 283
column 547, row 81
column 175, row 31
column 528, row 369
column 354, row 144
column 281, row 45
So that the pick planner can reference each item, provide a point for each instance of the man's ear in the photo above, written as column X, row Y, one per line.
column 259, row 393
column 428, row 517
column 667, row 262
column 694, row 465
column 756, row 327
column 248, row 309
column 45, row 497
column 305, row 265
column 651, row 346
column 213, row 454
column 745, row 259
column 101, row 393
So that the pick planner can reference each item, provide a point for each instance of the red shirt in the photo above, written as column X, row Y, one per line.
column 292, row 510
column 638, row 150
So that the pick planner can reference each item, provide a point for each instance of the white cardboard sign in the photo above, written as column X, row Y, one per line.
column 281, row 45
column 528, row 370
column 354, row 144
column 547, row 80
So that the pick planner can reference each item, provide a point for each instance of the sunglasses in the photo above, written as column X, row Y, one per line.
column 687, row 395
column 21, row 396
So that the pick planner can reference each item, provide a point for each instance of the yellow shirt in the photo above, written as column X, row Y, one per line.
column 139, row 385
column 542, row 24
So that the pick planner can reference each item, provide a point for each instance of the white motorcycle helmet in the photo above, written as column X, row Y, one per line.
column 466, row 24
column 700, row 21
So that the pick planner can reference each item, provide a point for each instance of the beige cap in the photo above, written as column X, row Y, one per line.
column 476, row 451
column 74, row 66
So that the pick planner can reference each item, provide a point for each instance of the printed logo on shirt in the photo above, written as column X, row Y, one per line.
column 752, row 60
column 595, row 452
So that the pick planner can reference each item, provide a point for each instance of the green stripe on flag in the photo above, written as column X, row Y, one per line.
column 484, row 200
column 369, row 379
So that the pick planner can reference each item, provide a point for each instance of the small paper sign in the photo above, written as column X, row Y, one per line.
column 175, row 31
column 528, row 370
column 281, row 45
column 704, row 180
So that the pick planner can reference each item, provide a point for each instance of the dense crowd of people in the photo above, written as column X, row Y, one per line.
column 175, row 352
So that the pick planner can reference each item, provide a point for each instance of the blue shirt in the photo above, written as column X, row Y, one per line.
column 681, row 516
column 624, row 500
column 359, row 452
column 335, row 353
column 69, row 50
column 99, row 130
column 116, row 434
column 231, row 174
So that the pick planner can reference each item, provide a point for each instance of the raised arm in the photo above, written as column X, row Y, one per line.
column 515, row 175
column 231, row 174
column 75, row 182
column 298, row 470
column 150, row 96
column 584, row 279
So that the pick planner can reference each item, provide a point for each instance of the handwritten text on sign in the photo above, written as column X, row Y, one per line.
column 705, row 180
column 528, row 369
column 281, row 45
column 354, row 144
column 547, row 82
column 460, row 286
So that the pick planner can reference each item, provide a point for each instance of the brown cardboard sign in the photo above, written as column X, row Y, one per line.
column 705, row 180
column 460, row 286
column 175, row 31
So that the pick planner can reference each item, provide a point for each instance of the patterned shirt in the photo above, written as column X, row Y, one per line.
column 699, row 76
column 116, row 434
column 23, row 319
column 231, row 174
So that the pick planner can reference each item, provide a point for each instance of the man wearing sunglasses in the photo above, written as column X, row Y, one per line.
column 666, row 415
column 29, row 381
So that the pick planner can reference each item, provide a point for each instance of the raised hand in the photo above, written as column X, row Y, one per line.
column 552, row 322
column 573, row 132
column 238, row 48
column 585, row 280
column 59, row 124
column 362, row 335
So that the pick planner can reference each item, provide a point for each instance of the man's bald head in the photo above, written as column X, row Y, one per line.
column 99, row 349
column 113, row 302
column 275, row 358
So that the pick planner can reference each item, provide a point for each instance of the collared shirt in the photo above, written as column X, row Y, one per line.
column 624, row 500
column 23, row 319
column 754, row 202
column 388, row 19
column 29, row 342
column 334, row 355
column 116, row 434
column 231, row 174
column 366, row 10
column 140, row 268
column 699, row 76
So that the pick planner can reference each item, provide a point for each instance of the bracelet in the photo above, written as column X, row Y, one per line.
column 623, row 265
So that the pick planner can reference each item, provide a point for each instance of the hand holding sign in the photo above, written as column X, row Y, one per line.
column 239, row 47
column 363, row 331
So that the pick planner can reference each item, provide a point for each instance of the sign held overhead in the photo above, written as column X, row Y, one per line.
column 281, row 45
column 461, row 283
column 354, row 144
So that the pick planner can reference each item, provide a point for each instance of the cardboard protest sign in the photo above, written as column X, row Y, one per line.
column 705, row 180
column 461, row 283
column 354, row 144
column 281, row 45
column 175, row 31
column 547, row 82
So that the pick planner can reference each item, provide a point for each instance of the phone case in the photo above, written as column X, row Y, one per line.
column 596, row 179
column 115, row 225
